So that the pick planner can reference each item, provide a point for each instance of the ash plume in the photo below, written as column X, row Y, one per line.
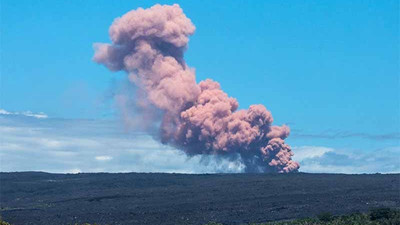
column 198, row 118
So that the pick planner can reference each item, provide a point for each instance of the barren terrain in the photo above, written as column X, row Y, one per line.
column 156, row 198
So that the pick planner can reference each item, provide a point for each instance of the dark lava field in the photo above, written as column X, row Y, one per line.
column 156, row 198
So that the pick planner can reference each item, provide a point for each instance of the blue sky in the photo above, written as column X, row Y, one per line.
column 328, row 69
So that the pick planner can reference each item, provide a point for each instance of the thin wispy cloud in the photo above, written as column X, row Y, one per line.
column 103, row 158
column 40, row 115
column 318, row 159
column 74, row 145
column 346, row 134
column 71, row 146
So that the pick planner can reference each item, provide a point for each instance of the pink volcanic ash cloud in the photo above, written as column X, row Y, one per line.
column 198, row 118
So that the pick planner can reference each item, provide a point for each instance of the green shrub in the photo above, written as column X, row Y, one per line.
column 3, row 222
column 325, row 217
column 382, row 213
column 375, row 217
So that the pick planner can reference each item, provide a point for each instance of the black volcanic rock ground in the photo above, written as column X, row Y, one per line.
column 137, row 198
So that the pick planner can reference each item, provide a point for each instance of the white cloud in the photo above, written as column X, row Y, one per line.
column 39, row 115
column 71, row 146
column 304, row 152
column 59, row 145
column 103, row 158
column 317, row 159
column 4, row 112
column 74, row 171
column 36, row 115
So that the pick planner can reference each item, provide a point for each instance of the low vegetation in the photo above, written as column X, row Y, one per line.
column 3, row 222
column 383, row 216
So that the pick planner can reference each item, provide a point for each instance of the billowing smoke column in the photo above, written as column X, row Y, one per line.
column 198, row 118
